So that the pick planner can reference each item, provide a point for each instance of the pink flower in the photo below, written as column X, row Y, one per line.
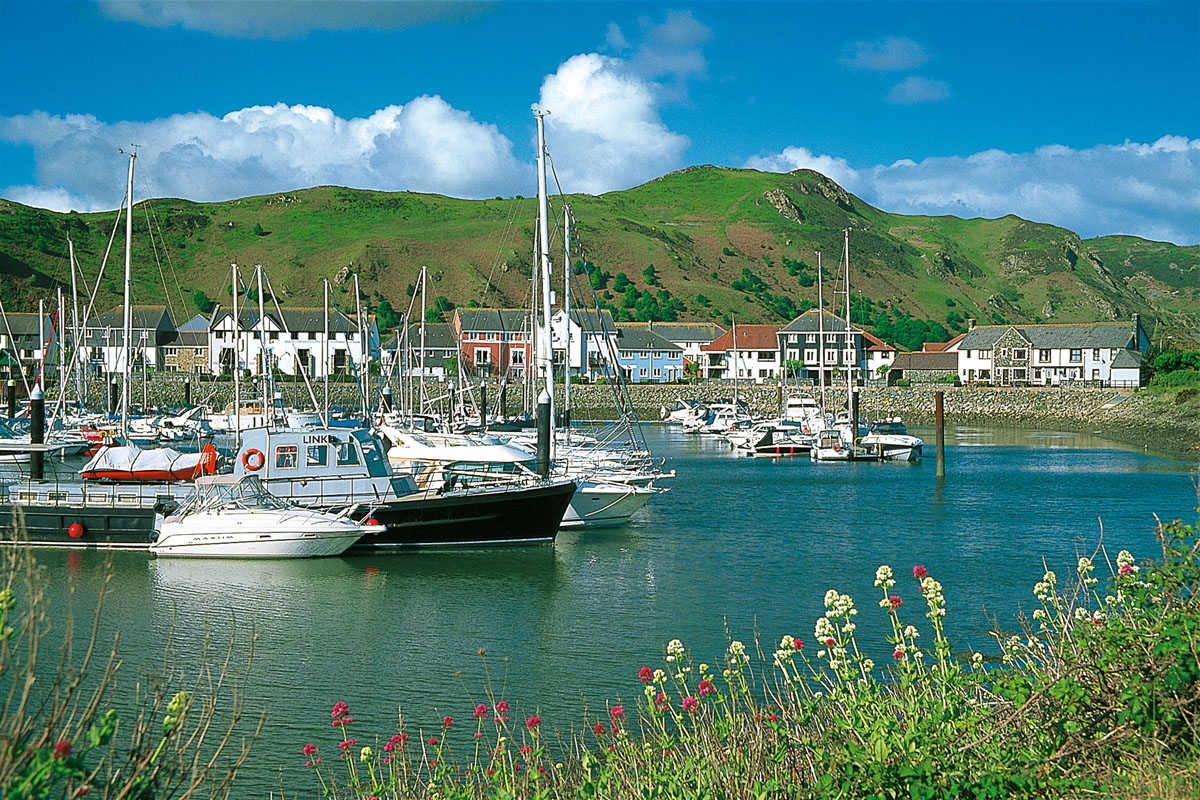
column 706, row 687
column 481, row 711
column 598, row 729
column 895, row 601
column 526, row 749
column 478, row 735
column 899, row 654
column 616, row 712
column 388, row 747
column 533, row 722
column 447, row 722
column 502, row 707
column 919, row 572
column 342, row 721
column 829, row 642
column 691, row 704
column 662, row 702
column 347, row 744
column 309, row 749
column 432, row 740
column 339, row 710
column 62, row 750
column 646, row 674
column 1126, row 569
column 797, row 644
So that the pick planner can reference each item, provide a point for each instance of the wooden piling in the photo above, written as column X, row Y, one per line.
column 939, row 420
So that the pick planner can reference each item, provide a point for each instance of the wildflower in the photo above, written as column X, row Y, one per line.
column 365, row 754
column 662, row 702
column 1127, row 569
column 883, row 577
column 1125, row 565
column 533, row 722
column 705, row 688
column 868, row 664
column 824, row 629
column 829, row 642
column 309, row 749
column 919, row 572
column 899, row 654
column 910, row 632
column 737, row 653
column 447, row 722
column 616, row 712
column 339, row 710
column 646, row 674
column 1085, row 569
column 691, row 704
column 895, row 601
column 502, row 707
column 389, row 747
column 675, row 650
column 432, row 741
column 977, row 660
column 342, row 722
column 481, row 711
column 62, row 750
column 347, row 744
column 526, row 749
column 598, row 729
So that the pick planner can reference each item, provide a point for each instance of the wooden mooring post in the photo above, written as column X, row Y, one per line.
column 939, row 420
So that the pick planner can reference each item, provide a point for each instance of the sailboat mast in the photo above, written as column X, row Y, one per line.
column 821, row 331
column 264, row 363
column 325, row 348
column 424, row 311
column 735, row 368
column 75, row 325
column 127, row 325
column 545, row 354
column 237, row 358
column 566, row 308
column 849, row 347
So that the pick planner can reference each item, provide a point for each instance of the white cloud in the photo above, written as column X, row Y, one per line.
column 891, row 54
column 1150, row 190
column 426, row 146
column 286, row 19
column 915, row 89
column 604, row 130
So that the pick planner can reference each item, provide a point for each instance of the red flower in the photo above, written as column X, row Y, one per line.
column 899, row 654
column 526, row 749
column 533, row 722
column 829, row 642
column 342, row 721
column 661, row 701
column 62, row 750
column 447, row 722
column 598, row 729
column 616, row 712
column 646, row 674
column 797, row 644
column 478, row 735
column 347, row 744
column 309, row 749
column 389, row 747
column 339, row 710
column 706, row 687
column 691, row 704
column 895, row 601
column 919, row 572
column 502, row 707
column 481, row 711
column 432, row 740
column 1125, row 569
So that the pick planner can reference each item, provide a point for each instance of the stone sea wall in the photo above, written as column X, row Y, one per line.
column 1077, row 409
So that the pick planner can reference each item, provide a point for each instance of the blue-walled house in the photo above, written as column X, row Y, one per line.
column 647, row 357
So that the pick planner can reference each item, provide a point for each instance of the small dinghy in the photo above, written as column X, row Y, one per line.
column 232, row 517
column 132, row 464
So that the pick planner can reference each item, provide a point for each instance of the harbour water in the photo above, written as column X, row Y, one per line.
column 739, row 548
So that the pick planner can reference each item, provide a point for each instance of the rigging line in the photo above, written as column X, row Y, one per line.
column 505, row 234
column 167, row 253
column 158, row 262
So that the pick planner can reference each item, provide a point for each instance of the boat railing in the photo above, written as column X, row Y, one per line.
column 77, row 494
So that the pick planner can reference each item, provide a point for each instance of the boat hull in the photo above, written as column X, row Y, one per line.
column 45, row 525
column 253, row 544
column 605, row 505
column 472, row 519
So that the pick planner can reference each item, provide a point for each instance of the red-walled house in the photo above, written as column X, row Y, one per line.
column 493, row 341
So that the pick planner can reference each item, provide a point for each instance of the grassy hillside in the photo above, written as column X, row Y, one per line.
column 722, row 242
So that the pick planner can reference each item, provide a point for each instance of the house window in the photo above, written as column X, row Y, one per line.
column 1018, row 374
column 831, row 356
column 810, row 356
column 1020, row 355
column 657, row 372
column 483, row 355
column 642, row 373
column 762, row 373
column 285, row 457
column 1044, row 356
column 766, row 355
column 1076, row 355
column 516, row 355
column 810, row 338
column 1096, row 354
column 660, row 355
column 1113, row 352
column 985, row 353
column 1095, row 374
column 318, row 455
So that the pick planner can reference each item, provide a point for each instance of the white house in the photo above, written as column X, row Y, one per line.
column 32, row 337
column 1100, row 353
column 588, row 338
column 690, row 337
column 295, row 339
column 754, row 356
column 151, row 331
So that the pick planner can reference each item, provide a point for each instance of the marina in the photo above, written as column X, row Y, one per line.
column 744, row 545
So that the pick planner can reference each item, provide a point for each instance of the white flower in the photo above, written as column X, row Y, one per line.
column 675, row 650
column 910, row 632
column 824, row 629
column 660, row 676
column 883, row 577
column 1124, row 558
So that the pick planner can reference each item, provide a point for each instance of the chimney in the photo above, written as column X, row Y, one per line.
column 970, row 324
column 1137, row 326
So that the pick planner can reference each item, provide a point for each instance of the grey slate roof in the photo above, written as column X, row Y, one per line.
column 809, row 323
column 438, row 336
column 639, row 337
column 310, row 320
column 1054, row 336
column 196, row 323
column 687, row 331
column 508, row 320
column 918, row 361
column 25, row 325
column 144, row 318
column 1127, row 359
column 593, row 322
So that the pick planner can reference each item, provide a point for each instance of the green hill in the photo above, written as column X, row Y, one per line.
column 721, row 242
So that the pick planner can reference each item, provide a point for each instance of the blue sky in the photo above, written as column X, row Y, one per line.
column 1082, row 114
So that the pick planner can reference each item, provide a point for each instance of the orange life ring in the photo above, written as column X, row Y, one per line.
column 837, row 447
column 253, row 460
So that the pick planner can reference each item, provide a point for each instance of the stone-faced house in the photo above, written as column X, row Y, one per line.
column 292, row 341
column 1051, row 354
column 189, row 351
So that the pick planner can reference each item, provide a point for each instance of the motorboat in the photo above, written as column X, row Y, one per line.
column 132, row 464
column 328, row 468
column 782, row 443
column 231, row 516
column 682, row 411
column 891, row 441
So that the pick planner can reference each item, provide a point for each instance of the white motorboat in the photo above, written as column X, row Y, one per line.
column 232, row 517
column 682, row 411
column 891, row 441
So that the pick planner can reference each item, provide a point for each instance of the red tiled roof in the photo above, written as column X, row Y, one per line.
column 941, row 347
column 875, row 343
column 749, row 337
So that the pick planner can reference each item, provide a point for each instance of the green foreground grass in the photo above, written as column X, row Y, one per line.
column 1097, row 697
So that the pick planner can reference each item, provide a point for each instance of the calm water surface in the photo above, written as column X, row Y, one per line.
column 740, row 545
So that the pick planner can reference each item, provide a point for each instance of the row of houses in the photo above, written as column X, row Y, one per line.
column 499, row 342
